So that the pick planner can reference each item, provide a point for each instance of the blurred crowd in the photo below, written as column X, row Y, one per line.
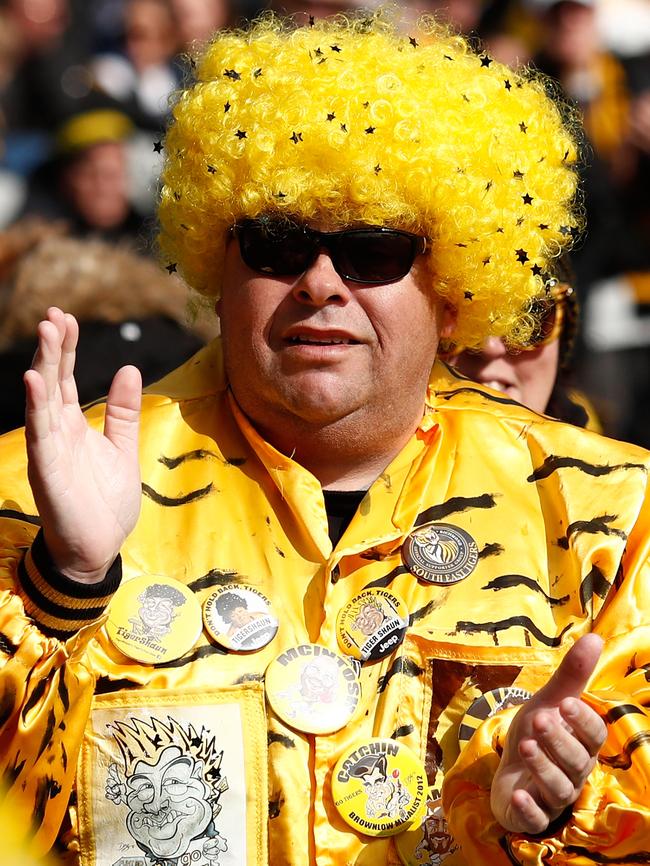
column 85, row 87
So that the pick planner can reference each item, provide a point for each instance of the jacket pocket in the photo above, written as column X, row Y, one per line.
column 175, row 777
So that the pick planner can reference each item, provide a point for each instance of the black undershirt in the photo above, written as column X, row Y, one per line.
column 340, row 506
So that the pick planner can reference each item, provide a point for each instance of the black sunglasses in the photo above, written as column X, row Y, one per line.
column 364, row 255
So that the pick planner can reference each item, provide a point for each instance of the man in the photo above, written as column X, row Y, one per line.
column 350, row 195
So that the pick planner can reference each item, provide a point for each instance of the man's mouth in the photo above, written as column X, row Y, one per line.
column 321, row 341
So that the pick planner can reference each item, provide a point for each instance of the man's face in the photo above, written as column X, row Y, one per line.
column 319, row 348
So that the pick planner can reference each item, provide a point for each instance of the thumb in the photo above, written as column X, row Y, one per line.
column 573, row 673
column 122, row 417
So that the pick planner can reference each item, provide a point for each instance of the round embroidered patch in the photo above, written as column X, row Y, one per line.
column 372, row 625
column 379, row 787
column 154, row 619
column 440, row 553
column 239, row 618
column 313, row 689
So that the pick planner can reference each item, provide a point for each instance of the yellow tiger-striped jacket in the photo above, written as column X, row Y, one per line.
column 560, row 518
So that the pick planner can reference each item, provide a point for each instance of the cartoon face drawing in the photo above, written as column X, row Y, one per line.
column 318, row 680
column 369, row 618
column 171, row 783
column 157, row 605
column 386, row 797
column 168, row 803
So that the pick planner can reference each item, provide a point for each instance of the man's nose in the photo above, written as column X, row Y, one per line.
column 320, row 284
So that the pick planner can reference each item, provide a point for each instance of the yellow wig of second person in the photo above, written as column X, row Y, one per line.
column 350, row 121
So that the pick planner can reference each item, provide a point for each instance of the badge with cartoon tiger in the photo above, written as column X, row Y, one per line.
column 440, row 553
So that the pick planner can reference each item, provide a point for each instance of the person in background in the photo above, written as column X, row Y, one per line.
column 132, row 311
column 143, row 76
column 348, row 195
column 87, row 182
column 538, row 374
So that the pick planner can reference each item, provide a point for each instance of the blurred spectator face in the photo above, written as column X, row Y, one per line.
column 95, row 182
column 571, row 33
column 40, row 22
column 150, row 33
column 527, row 377
column 197, row 20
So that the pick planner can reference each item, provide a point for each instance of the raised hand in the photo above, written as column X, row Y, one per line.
column 551, row 746
column 86, row 483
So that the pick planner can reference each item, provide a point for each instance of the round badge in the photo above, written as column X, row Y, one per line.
column 379, row 787
column 429, row 841
column 440, row 553
column 486, row 706
column 372, row 625
column 313, row 688
column 239, row 618
column 154, row 619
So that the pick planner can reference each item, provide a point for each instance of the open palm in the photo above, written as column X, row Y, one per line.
column 86, row 483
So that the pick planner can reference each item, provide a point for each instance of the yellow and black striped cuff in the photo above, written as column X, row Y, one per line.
column 58, row 605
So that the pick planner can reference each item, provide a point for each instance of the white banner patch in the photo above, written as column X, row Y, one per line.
column 167, row 786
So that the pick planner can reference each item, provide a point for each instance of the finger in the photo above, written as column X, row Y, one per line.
column 122, row 418
column 573, row 673
column 563, row 749
column 68, row 354
column 555, row 788
column 524, row 815
column 586, row 724
column 37, row 413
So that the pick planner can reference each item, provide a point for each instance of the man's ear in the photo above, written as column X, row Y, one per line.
column 448, row 321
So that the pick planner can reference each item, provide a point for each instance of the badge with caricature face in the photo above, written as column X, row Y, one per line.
column 379, row 787
column 372, row 625
column 239, row 618
column 313, row 689
column 430, row 842
column 154, row 619
column 440, row 553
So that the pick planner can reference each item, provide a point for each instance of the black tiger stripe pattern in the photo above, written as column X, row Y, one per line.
column 387, row 579
column 196, row 654
column 282, row 739
column 401, row 665
column 215, row 577
column 623, row 761
column 621, row 710
column 455, row 505
column 402, row 731
column 509, row 581
column 492, row 549
column 596, row 525
column 12, row 514
column 595, row 583
column 554, row 462
column 200, row 454
column 493, row 398
column 512, row 621
column 173, row 501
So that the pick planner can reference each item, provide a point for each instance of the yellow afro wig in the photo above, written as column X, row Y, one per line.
column 351, row 121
